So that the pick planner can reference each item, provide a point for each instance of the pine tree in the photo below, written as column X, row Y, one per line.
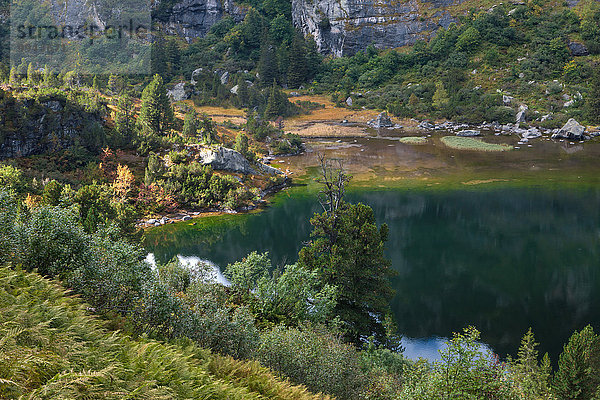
column 578, row 375
column 115, row 84
column 156, row 114
column 531, row 379
column 48, row 77
column 241, row 144
column 154, row 170
column 413, row 100
column 593, row 99
column 275, row 103
column 190, row 124
column 95, row 84
column 124, row 116
column 31, row 75
column 13, row 79
column 267, row 65
column 242, row 92
column 297, row 70
column 346, row 251
column 208, row 129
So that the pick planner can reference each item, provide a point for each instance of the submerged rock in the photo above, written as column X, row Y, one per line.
column 468, row 133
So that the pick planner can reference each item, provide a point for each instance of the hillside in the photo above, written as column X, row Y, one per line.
column 52, row 348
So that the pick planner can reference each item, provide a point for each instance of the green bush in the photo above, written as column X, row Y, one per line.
column 318, row 359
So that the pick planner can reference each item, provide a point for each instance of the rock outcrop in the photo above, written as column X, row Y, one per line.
column 194, row 18
column 224, row 159
column 344, row 27
column 28, row 129
column 382, row 121
column 179, row 92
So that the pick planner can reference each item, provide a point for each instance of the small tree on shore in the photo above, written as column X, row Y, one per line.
column 347, row 253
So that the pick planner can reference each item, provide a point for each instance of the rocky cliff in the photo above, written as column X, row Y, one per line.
column 194, row 18
column 343, row 27
column 29, row 127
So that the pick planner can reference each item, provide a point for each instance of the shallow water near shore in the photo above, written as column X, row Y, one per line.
column 503, row 242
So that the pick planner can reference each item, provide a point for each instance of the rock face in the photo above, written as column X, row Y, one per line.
column 28, row 129
column 194, row 18
column 344, row 27
column 178, row 93
column 224, row 159
column 572, row 130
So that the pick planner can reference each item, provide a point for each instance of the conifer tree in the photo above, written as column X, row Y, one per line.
column 241, row 144
column 124, row 116
column 578, row 375
column 95, row 84
column 267, row 65
column 154, row 170
column 297, row 70
column 209, row 132
column 31, row 75
column 115, row 84
column 48, row 77
column 12, row 77
column 275, row 103
column 190, row 124
column 346, row 251
column 156, row 114
column 242, row 92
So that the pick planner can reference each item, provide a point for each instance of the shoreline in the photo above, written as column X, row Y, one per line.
column 186, row 215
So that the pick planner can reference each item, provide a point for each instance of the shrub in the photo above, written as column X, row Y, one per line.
column 318, row 359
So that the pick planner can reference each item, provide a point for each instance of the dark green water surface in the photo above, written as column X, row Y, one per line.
column 502, row 259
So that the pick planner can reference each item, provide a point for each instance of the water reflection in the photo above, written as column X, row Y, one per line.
column 503, row 260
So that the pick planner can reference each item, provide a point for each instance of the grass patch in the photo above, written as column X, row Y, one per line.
column 467, row 143
column 51, row 348
column 413, row 140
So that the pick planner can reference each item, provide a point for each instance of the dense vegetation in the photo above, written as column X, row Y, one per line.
column 69, row 214
column 293, row 319
column 53, row 348
column 518, row 50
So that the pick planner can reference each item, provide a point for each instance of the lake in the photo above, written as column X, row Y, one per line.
column 502, row 258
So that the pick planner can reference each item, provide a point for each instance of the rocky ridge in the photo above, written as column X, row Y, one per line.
column 344, row 27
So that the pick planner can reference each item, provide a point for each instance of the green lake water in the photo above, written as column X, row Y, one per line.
column 501, row 258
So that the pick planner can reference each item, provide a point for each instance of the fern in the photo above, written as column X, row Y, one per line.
column 50, row 348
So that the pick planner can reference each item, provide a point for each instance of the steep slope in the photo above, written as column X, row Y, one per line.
column 343, row 27
column 51, row 348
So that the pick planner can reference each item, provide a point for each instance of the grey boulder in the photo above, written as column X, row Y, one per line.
column 571, row 130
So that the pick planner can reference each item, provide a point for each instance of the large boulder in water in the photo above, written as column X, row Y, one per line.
column 382, row 121
column 572, row 130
